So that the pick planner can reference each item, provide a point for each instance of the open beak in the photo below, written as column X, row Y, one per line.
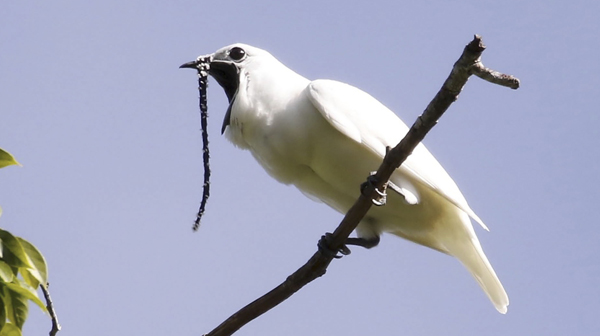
column 191, row 65
column 201, row 63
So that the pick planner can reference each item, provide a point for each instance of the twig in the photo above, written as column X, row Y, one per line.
column 55, row 325
column 469, row 63
column 494, row 76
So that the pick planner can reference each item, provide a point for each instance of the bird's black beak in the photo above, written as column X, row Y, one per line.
column 190, row 65
column 202, row 63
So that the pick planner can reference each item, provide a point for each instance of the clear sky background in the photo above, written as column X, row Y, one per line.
column 92, row 103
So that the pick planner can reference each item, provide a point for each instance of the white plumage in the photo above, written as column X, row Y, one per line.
column 325, row 137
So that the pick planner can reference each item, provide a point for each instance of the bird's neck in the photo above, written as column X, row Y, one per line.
column 262, row 97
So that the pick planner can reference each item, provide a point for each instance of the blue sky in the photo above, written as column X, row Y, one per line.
column 92, row 103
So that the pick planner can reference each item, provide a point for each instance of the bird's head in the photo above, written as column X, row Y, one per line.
column 228, row 66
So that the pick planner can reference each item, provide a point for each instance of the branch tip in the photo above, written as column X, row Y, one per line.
column 50, row 306
column 476, row 45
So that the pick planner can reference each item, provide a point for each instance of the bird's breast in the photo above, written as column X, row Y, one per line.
column 281, row 135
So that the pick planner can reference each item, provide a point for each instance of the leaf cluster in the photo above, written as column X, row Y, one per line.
column 22, row 270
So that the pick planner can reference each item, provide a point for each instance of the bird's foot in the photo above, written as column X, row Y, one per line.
column 324, row 244
column 381, row 198
column 325, row 241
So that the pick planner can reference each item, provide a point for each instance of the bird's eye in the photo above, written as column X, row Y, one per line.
column 237, row 53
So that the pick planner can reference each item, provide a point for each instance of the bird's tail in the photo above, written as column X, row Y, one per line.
column 468, row 250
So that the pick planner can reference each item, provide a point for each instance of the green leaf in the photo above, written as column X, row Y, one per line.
column 2, row 313
column 12, row 250
column 29, row 278
column 39, row 270
column 6, row 272
column 10, row 329
column 16, row 305
column 6, row 299
column 26, row 291
column 6, row 159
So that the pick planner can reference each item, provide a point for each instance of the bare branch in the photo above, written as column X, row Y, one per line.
column 469, row 63
column 49, row 305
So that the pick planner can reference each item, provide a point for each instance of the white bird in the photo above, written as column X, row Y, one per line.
column 326, row 137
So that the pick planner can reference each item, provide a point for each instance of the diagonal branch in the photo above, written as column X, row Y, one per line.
column 468, row 64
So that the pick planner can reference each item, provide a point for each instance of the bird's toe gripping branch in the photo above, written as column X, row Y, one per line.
column 325, row 243
column 372, row 181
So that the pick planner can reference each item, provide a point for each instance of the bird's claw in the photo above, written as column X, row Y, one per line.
column 324, row 243
column 382, row 196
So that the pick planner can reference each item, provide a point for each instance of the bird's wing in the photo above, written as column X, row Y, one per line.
column 365, row 120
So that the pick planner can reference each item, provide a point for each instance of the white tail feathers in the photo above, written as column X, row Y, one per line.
column 457, row 237
column 479, row 266
column 471, row 255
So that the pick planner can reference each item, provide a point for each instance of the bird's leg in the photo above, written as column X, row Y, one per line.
column 344, row 250
column 364, row 242
column 382, row 196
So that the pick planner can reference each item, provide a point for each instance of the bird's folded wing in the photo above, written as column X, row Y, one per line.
column 365, row 120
